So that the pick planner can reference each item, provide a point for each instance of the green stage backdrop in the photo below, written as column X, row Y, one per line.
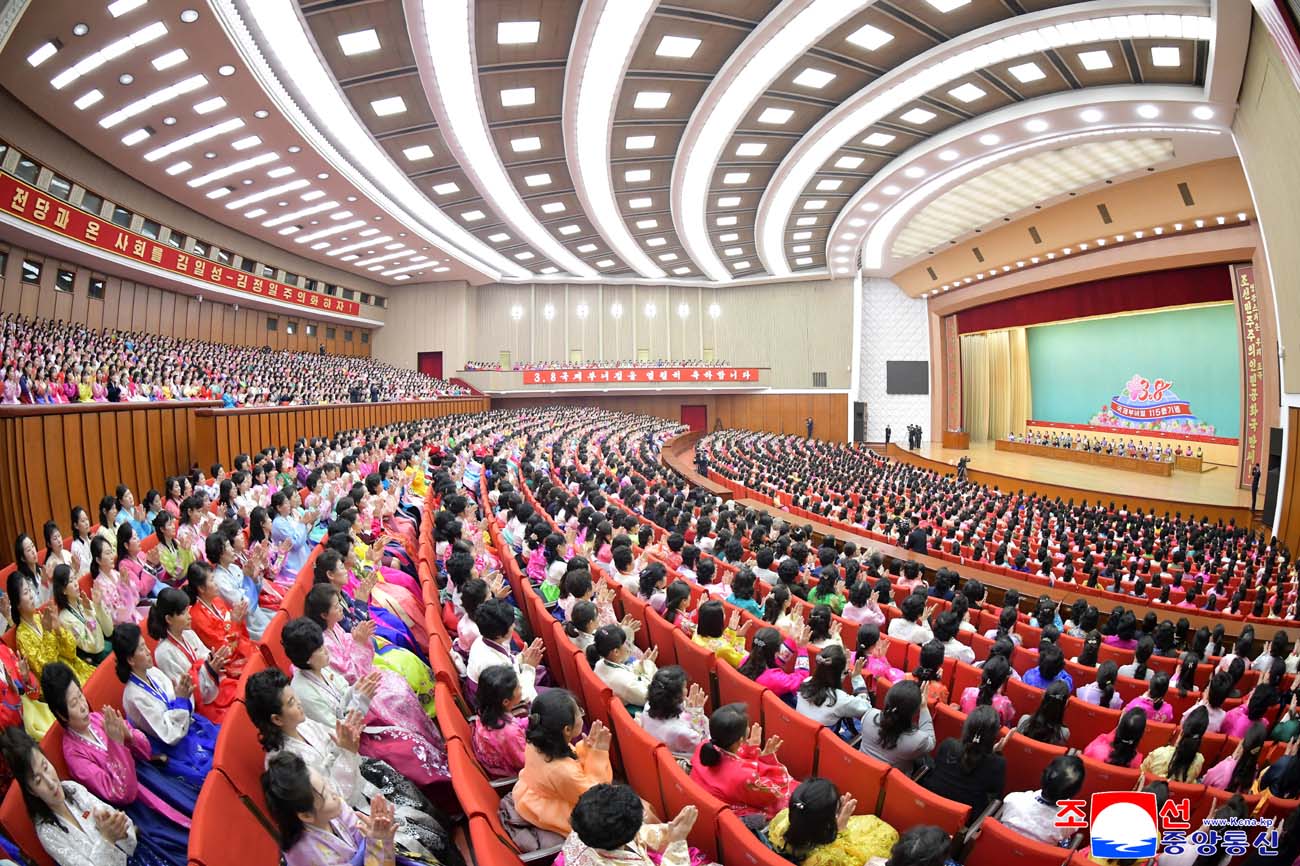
column 1176, row 370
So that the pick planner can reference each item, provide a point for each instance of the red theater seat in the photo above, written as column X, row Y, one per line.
column 907, row 804
column 998, row 845
column 680, row 791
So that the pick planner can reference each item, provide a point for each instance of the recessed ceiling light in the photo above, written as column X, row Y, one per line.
column 499, row 237
column 636, row 175
column 989, row 139
column 725, row 221
column 525, row 145
column 829, row 185
column 133, row 138
column 226, row 71
column 806, row 221
column 733, row 178
column 88, row 99
column 801, row 236
column 81, row 28
column 1149, row 112
column 179, row 168
column 1036, row 125
column 43, row 53
column 524, row 256
column 815, row 204
column 651, row 99
column 729, row 237
column 1091, row 115
column 208, row 106
column 751, row 148
column 891, row 189
column 647, row 224
column 261, row 114
column 605, row 263
column 849, row 162
column 1095, row 60
column 553, row 207
column 172, row 58
column 419, row 151
column 1027, row 72
column 445, row 188
column 728, row 200
column 1166, row 55
column 677, row 46
column 246, row 142
column 126, row 78
column 968, row 92
column 472, row 216
column 587, row 248
column 732, row 252
column 189, row 16
column 282, row 171
column 120, row 7
column 1203, row 112
column 878, row 139
column 542, row 179
column 803, row 260
column 914, row 171
column 570, row 229
column 222, row 192
column 388, row 105
column 948, row 155
column 869, row 37
column 775, row 116
column 359, row 41
column 682, row 270
column 814, row 78
column 917, row 116
column 517, row 32
column 516, row 96
column 800, row 248
column 740, row 266
column 947, row 5
column 640, row 203
column 639, row 142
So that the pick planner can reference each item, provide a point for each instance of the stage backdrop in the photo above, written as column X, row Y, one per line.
column 1176, row 370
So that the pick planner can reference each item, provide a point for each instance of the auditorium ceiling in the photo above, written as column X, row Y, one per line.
column 712, row 141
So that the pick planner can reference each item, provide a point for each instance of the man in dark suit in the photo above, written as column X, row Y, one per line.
column 916, row 539
column 809, row 425
column 1254, row 485
column 888, row 433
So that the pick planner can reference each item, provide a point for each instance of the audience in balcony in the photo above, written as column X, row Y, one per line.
column 658, row 363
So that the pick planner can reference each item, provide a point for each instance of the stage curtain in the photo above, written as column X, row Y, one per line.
column 1125, row 294
column 996, row 394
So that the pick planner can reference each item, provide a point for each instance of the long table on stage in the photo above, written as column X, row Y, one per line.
column 1113, row 461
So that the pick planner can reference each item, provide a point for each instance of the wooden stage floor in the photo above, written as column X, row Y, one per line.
column 1217, row 486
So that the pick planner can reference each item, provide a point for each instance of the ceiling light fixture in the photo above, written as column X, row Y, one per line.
column 195, row 138
column 869, row 37
column 678, row 46
column 517, row 32
column 158, row 97
column 359, row 41
column 96, row 59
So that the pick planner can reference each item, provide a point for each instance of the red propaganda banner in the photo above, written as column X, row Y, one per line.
column 33, row 206
column 644, row 376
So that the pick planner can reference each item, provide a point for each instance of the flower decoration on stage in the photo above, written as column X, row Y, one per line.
column 1150, row 404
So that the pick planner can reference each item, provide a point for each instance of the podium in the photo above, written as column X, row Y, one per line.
column 956, row 439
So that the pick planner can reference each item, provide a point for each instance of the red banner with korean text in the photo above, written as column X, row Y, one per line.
column 1254, row 444
column 38, row 208
column 703, row 376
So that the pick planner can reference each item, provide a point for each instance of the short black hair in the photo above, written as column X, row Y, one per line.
column 301, row 638
column 263, row 698
column 55, row 679
column 607, row 816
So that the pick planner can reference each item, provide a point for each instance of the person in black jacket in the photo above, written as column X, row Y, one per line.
column 917, row 539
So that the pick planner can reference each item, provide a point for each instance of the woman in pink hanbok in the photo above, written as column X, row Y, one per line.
column 396, row 728
column 120, row 593
column 397, row 597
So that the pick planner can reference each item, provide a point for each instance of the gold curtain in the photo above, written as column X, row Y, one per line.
column 996, row 395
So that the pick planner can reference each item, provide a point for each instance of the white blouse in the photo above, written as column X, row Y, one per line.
column 150, row 715
column 173, row 661
column 81, row 844
column 326, row 697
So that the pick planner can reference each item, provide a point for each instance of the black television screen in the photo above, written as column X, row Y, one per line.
column 907, row 377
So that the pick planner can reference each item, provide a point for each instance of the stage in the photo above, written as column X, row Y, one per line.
column 1184, row 491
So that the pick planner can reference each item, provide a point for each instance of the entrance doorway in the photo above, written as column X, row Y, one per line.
column 430, row 364
column 696, row 417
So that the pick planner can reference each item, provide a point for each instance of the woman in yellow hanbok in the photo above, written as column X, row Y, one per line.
column 820, row 829
column 41, row 637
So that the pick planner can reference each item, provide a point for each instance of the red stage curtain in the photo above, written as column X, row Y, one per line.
column 1173, row 288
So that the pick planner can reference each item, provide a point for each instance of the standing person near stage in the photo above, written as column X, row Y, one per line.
column 1254, row 485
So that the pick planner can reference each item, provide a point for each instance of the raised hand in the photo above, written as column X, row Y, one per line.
column 734, row 623
column 112, row 824
column 773, row 744
column 844, row 811
column 680, row 826
column 347, row 732
column 240, row 609
column 368, row 685
column 695, row 697
column 152, row 556
column 599, row 736
column 382, row 824
column 184, row 686
column 114, row 724
column 755, row 737
column 363, row 631
column 859, row 664
column 219, row 657
column 651, row 656
column 533, row 653
column 630, row 623
column 49, row 618
column 835, row 630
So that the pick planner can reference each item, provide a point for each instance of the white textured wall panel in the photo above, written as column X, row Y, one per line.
column 894, row 328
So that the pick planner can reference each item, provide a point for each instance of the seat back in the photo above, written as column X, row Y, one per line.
column 964, row 676
column 736, row 688
column 596, row 695
column 998, row 844
column 740, row 847
column 1023, row 697
column 1100, row 776
column 240, row 758
column 451, row 720
column 104, row 688
column 640, row 756
column 907, row 804
column 660, row 634
column 489, row 848
column 948, row 722
column 1087, row 721
column 1026, row 760
column 852, row 770
column 798, row 733
column 698, row 662
column 17, row 824
column 224, row 830
column 270, row 646
column 680, row 791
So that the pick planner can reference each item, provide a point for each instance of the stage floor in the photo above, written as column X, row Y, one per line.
column 1216, row 486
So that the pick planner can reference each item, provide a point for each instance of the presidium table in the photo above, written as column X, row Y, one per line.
column 1113, row 461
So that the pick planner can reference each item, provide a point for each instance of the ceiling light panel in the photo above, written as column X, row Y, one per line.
column 452, row 78
column 814, row 79
column 111, row 51
column 513, row 97
column 751, row 148
column 1004, row 46
column 388, row 106
column 869, row 37
column 359, row 42
column 677, row 46
column 197, row 137
column 968, row 92
column 158, row 97
column 417, row 152
column 517, row 32
column 775, row 116
column 1166, row 55
column 1094, row 61
column 274, row 191
column 596, row 72
column 651, row 100
column 233, row 168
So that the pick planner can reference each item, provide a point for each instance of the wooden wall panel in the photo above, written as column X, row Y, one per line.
column 1288, row 524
